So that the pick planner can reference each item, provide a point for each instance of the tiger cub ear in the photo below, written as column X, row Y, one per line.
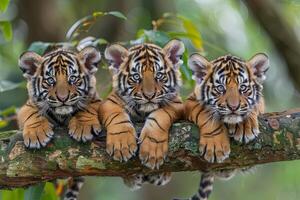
column 29, row 62
column 199, row 66
column 90, row 57
column 115, row 54
column 174, row 50
column 259, row 64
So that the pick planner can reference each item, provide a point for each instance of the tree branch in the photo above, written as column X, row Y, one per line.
column 63, row 157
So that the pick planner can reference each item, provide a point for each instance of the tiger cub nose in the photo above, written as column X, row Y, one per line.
column 233, row 106
column 149, row 95
column 62, row 96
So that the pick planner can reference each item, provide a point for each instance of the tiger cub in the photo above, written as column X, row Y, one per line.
column 226, row 102
column 146, row 81
column 61, row 90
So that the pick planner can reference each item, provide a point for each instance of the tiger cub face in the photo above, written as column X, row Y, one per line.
column 230, row 86
column 146, row 76
column 60, row 81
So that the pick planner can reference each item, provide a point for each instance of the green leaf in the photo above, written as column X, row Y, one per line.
column 3, row 123
column 117, row 14
column 181, row 35
column 8, row 111
column 158, row 37
column 13, row 194
column 49, row 192
column 8, row 85
column 34, row 192
column 186, row 72
column 192, row 30
column 84, row 24
column 39, row 47
column 7, row 134
column 3, row 5
column 101, row 41
column 6, row 30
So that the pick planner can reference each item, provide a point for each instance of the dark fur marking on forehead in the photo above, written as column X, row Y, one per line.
column 227, row 58
column 138, row 48
column 146, row 57
column 229, row 63
column 59, row 51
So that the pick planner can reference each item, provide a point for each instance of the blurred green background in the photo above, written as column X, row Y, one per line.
column 213, row 27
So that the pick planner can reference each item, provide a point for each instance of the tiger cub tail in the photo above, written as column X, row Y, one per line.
column 205, row 187
column 75, row 184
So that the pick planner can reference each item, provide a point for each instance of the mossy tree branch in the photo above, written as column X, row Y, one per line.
column 63, row 157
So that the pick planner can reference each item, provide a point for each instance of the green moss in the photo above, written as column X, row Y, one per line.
column 7, row 134
column 83, row 162
column 22, row 168
column 51, row 165
column 257, row 146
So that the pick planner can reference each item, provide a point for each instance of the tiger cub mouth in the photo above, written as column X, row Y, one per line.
column 64, row 110
column 232, row 119
column 148, row 107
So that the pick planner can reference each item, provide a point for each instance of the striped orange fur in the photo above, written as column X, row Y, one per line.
column 226, row 101
column 62, row 92
column 146, row 81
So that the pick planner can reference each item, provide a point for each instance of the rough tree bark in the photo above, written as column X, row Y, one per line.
column 63, row 157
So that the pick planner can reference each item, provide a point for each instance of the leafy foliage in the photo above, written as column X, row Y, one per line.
column 10, row 111
column 8, row 85
column 85, row 23
column 6, row 28
column 13, row 194
column 34, row 192
column 43, row 191
column 3, row 5
column 5, row 114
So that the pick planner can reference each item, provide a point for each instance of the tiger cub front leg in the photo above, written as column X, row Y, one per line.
column 85, row 123
column 121, row 135
column 37, row 130
column 155, row 134
column 214, row 141
column 246, row 130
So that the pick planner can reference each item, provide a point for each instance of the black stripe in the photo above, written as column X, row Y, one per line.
column 118, row 133
column 31, row 115
column 212, row 132
column 170, row 116
column 198, row 114
column 155, row 140
column 112, row 118
column 123, row 122
column 208, row 119
column 110, row 99
column 153, row 119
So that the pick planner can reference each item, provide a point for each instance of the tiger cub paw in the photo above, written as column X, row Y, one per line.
column 153, row 149
column 244, row 132
column 37, row 134
column 215, row 148
column 121, row 142
column 83, row 126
